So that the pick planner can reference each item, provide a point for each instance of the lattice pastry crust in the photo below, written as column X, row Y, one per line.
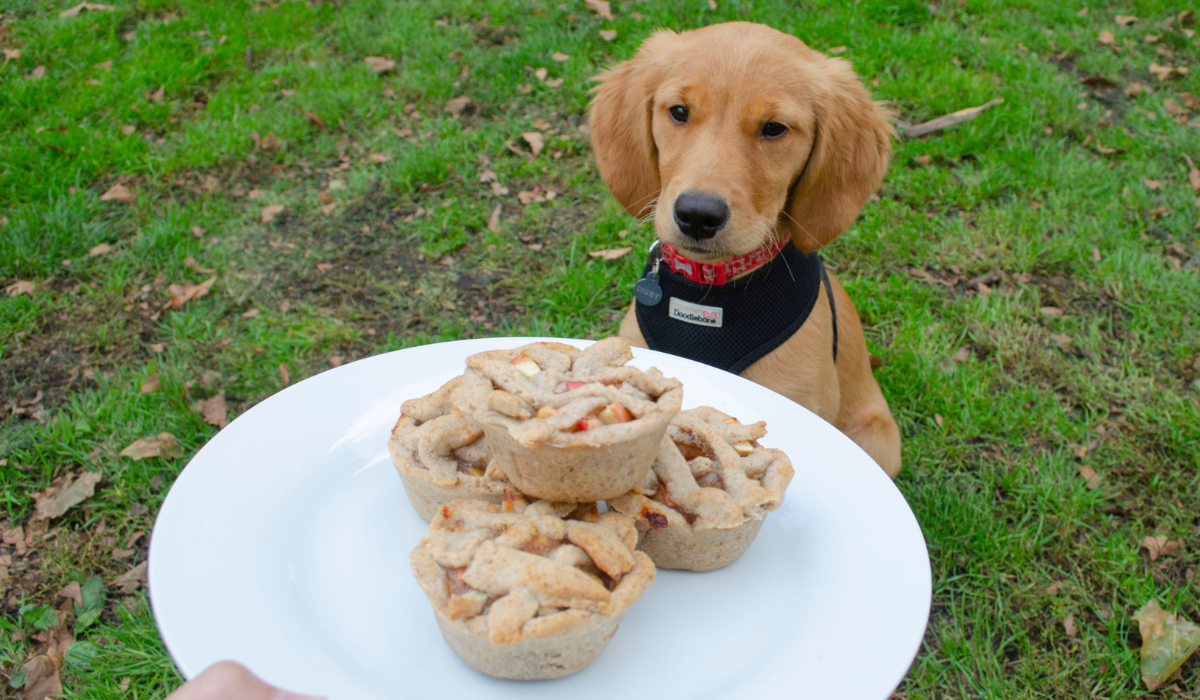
column 526, row 591
column 566, row 424
column 711, row 486
column 442, row 454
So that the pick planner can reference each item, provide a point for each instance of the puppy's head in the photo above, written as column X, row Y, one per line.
column 736, row 133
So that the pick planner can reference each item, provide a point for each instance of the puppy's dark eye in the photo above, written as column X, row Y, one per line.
column 773, row 130
column 679, row 113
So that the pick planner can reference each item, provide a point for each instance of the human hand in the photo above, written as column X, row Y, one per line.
column 229, row 680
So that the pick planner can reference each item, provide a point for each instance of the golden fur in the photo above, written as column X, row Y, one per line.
column 808, row 183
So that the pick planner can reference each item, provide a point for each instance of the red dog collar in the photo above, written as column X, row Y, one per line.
column 722, row 272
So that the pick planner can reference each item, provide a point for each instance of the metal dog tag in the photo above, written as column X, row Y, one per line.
column 647, row 291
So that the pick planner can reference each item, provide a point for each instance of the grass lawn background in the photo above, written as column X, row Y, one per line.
column 1051, row 416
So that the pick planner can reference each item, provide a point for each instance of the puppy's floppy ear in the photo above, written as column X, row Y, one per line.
column 853, row 143
column 620, row 123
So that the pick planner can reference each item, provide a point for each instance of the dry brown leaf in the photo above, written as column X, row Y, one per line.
column 1125, row 20
column 336, row 360
column 836, row 50
column 962, row 355
column 458, row 105
column 1053, row 311
column 325, row 267
column 256, row 193
column 182, row 294
column 535, row 140
column 600, row 7
column 252, row 313
column 487, row 176
column 63, row 494
column 190, row 262
column 10, row 54
column 1095, row 254
column 269, row 213
column 380, row 64
column 158, row 95
column 327, row 209
column 41, row 674
column 283, row 374
column 536, row 195
column 20, row 287
column 1069, row 626
column 493, row 223
column 1153, row 184
column 198, row 232
column 215, row 412
column 71, row 12
column 1054, row 588
column 72, row 591
column 560, row 56
column 314, row 119
column 1193, row 173
column 541, row 74
column 37, row 73
column 1135, row 88
column 119, row 193
column 554, row 82
column 608, row 34
column 922, row 160
column 1168, row 640
column 379, row 157
column 609, row 253
column 151, row 385
column 937, row 418
column 129, row 581
column 101, row 249
column 1164, row 72
column 162, row 445
column 1106, row 37
column 1160, row 546
column 1093, row 479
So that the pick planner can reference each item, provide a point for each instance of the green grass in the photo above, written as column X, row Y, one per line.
column 992, row 442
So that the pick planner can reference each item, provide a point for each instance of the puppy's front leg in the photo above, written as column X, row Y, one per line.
column 630, row 330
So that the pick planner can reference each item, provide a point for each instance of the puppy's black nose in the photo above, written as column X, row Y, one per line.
column 700, row 216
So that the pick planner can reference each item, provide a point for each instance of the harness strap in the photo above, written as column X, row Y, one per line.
column 832, row 309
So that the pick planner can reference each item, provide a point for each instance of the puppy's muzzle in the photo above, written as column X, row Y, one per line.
column 700, row 216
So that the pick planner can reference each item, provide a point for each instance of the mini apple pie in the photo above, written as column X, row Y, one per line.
column 530, row 591
column 569, row 425
column 441, row 453
column 711, row 486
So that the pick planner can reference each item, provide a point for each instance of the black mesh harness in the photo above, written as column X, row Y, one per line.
column 756, row 313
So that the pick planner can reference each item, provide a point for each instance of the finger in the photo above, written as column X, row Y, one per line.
column 229, row 680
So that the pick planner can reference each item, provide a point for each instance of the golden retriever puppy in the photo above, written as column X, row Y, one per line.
column 750, row 151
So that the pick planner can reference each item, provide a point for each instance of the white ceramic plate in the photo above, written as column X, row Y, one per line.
column 284, row 544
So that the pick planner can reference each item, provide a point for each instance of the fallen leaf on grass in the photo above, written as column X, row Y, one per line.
column 1106, row 37
column 458, row 105
column 493, row 223
column 379, row 158
column 162, row 445
column 158, row 95
column 554, row 82
column 252, row 313
column 1154, row 185
column 314, row 119
column 20, row 287
column 1054, row 588
column 198, row 232
column 536, row 195
column 948, row 120
column 836, row 50
column 119, row 193
column 962, row 355
column 101, row 249
column 72, row 591
column 151, row 385
column 336, row 360
column 1052, row 311
column 536, row 141
column 41, row 676
column 487, row 175
column 1193, row 173
column 10, row 54
column 1160, row 546
column 609, row 253
column 271, row 142
column 129, row 581
column 937, row 418
column 1125, row 20
column 63, row 494
column 215, row 411
column 380, row 64
column 269, row 213
column 922, row 160
column 327, row 209
column 608, row 34
column 181, row 295
column 71, row 12
column 1069, row 626
column 600, row 7
column 1097, row 81
column 325, row 267
column 190, row 262
column 560, row 56
column 1168, row 640
column 1093, row 479
column 283, row 374
column 1164, row 72
column 256, row 194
